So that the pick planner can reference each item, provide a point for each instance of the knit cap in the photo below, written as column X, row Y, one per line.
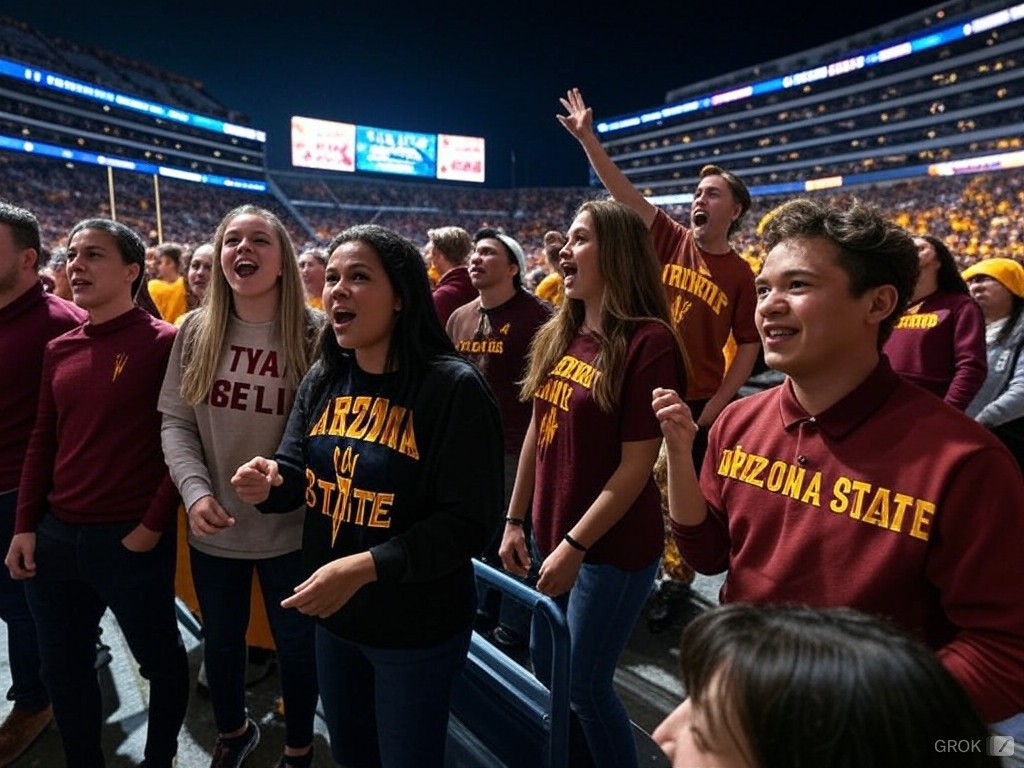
column 1006, row 271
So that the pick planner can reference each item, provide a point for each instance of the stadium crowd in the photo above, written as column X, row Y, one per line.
column 972, row 215
column 253, row 247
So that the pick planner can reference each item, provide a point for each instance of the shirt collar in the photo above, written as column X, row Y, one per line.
column 842, row 418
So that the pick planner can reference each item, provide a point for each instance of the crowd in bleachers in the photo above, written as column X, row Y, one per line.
column 973, row 215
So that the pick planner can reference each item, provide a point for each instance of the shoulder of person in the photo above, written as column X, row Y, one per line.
column 469, row 308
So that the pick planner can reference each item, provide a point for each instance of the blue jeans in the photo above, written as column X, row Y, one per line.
column 388, row 708
column 601, row 609
column 223, row 586
column 81, row 570
column 27, row 690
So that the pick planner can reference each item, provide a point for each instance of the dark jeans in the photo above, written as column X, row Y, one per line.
column 81, row 570
column 27, row 690
column 223, row 586
column 388, row 708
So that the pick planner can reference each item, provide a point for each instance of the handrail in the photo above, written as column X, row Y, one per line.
column 547, row 609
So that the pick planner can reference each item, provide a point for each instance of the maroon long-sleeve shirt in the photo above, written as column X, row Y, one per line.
column 95, row 455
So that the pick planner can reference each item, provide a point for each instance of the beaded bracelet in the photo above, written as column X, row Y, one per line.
column 517, row 522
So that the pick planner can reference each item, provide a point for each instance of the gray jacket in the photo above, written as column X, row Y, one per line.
column 1001, row 397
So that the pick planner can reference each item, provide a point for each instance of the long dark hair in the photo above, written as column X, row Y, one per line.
column 1016, row 308
column 417, row 338
column 830, row 688
column 948, row 277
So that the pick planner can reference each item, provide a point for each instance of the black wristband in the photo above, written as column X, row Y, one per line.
column 517, row 522
column 574, row 544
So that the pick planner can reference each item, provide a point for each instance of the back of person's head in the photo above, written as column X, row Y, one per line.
column 417, row 336
column 513, row 250
column 871, row 250
column 739, row 191
column 948, row 276
column 127, row 241
column 172, row 253
column 453, row 242
column 795, row 687
column 554, row 238
column 24, row 228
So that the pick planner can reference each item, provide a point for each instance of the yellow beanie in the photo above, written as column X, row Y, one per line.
column 1006, row 271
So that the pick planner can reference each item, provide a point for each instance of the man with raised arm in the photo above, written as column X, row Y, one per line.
column 710, row 288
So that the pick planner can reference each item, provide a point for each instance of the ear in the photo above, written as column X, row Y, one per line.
column 135, row 270
column 884, row 299
column 29, row 259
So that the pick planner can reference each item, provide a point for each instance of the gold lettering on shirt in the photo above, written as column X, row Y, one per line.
column 888, row 509
column 370, row 420
column 695, row 283
column 920, row 322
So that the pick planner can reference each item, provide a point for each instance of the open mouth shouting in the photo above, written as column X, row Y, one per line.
column 569, row 271
column 699, row 217
column 245, row 267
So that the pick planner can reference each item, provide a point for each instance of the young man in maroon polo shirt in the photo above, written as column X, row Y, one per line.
column 847, row 485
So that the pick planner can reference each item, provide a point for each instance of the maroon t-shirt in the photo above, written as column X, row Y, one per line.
column 579, row 446
column 711, row 295
column 497, row 341
column 26, row 324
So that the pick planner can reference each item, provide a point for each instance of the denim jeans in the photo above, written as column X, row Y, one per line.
column 388, row 708
column 600, row 609
column 27, row 690
column 223, row 586
column 81, row 570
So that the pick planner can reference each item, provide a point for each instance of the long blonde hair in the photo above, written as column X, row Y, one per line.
column 204, row 339
column 633, row 294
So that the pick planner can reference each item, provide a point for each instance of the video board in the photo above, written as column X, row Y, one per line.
column 334, row 146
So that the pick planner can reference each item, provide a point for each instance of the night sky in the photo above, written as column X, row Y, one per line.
column 482, row 69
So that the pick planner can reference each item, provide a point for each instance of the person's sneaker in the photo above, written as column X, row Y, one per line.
column 20, row 730
column 231, row 753
column 296, row 761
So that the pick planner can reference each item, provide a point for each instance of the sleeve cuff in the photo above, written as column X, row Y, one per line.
column 391, row 561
